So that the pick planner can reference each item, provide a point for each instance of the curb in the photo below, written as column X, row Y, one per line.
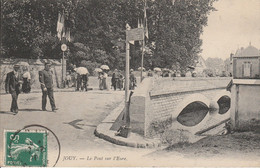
column 134, row 140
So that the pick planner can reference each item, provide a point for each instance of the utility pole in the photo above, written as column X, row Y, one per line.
column 63, row 49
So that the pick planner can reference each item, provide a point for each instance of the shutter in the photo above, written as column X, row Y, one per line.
column 243, row 69
column 251, row 69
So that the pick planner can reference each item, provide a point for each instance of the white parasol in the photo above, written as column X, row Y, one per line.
column 139, row 69
column 104, row 67
column 23, row 64
column 81, row 70
column 98, row 70
column 157, row 69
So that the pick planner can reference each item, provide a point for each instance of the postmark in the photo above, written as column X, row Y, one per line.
column 26, row 148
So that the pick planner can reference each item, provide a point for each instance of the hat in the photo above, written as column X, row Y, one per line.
column 47, row 63
column 16, row 66
column 131, row 70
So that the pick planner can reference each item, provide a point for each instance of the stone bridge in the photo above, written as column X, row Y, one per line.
column 181, row 106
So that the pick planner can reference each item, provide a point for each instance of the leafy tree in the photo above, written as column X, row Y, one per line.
column 28, row 30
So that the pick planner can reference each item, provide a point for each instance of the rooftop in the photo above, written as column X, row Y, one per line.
column 250, row 51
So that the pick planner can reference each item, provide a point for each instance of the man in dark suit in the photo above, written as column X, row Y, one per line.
column 13, row 85
column 45, row 77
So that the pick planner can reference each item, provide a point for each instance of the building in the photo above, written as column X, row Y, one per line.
column 245, row 89
column 246, row 63
column 200, row 66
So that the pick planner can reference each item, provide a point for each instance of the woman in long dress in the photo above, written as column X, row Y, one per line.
column 26, row 87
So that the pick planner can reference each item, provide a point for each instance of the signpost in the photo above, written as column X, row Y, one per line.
column 136, row 34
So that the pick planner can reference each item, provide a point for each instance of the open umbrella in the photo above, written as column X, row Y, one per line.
column 104, row 67
column 157, row 69
column 98, row 70
column 23, row 64
column 139, row 69
column 165, row 70
column 81, row 70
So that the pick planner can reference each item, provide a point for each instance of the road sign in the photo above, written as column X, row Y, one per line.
column 63, row 47
column 135, row 34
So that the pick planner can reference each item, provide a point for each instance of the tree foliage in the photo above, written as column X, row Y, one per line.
column 28, row 30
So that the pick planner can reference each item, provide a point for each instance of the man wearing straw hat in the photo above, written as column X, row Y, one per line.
column 13, row 86
column 45, row 77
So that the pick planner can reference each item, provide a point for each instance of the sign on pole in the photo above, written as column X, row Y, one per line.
column 135, row 34
column 63, row 47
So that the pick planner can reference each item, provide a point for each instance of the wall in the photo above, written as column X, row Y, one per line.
column 238, row 62
column 140, row 106
column 35, row 65
column 245, row 106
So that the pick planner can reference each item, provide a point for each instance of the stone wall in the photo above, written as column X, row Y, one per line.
column 245, row 106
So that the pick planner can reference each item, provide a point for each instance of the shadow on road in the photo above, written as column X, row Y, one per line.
column 30, row 110
column 6, row 112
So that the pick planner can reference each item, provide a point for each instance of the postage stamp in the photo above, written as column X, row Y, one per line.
column 25, row 148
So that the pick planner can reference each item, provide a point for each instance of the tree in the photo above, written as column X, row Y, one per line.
column 29, row 30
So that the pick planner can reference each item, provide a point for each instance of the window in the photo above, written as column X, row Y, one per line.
column 247, row 66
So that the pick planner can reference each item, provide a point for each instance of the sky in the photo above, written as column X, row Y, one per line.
column 235, row 24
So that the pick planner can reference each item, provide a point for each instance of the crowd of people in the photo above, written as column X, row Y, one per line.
column 19, row 80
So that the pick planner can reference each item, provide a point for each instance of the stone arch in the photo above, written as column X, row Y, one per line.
column 192, row 110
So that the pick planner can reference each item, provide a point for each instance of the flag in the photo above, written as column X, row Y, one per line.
column 145, row 21
column 140, row 25
column 60, row 26
column 68, row 35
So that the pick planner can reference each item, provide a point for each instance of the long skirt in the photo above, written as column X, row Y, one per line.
column 26, row 87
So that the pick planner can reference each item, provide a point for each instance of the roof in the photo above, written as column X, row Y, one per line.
column 250, row 51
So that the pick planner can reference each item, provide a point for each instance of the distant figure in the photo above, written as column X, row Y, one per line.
column 104, row 81
column 79, row 82
column 45, row 77
column 149, row 74
column 100, row 79
column 132, row 80
column 68, row 79
column 84, row 82
column 120, row 82
column 13, row 86
column 26, row 87
column 114, row 79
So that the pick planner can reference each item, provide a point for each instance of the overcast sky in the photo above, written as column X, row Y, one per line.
column 233, row 25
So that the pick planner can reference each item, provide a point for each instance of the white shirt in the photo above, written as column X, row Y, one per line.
column 27, row 75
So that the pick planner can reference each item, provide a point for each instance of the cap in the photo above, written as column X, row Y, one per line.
column 131, row 70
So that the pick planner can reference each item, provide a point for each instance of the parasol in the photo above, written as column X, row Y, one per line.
column 166, row 70
column 23, row 64
column 139, row 69
column 104, row 67
column 81, row 70
column 157, row 69
column 98, row 70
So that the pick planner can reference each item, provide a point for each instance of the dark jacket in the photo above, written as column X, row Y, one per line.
column 13, row 83
column 45, row 78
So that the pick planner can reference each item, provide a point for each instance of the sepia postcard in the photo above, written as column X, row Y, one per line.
column 130, row 83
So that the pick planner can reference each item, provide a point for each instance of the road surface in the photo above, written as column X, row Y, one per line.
column 74, row 123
